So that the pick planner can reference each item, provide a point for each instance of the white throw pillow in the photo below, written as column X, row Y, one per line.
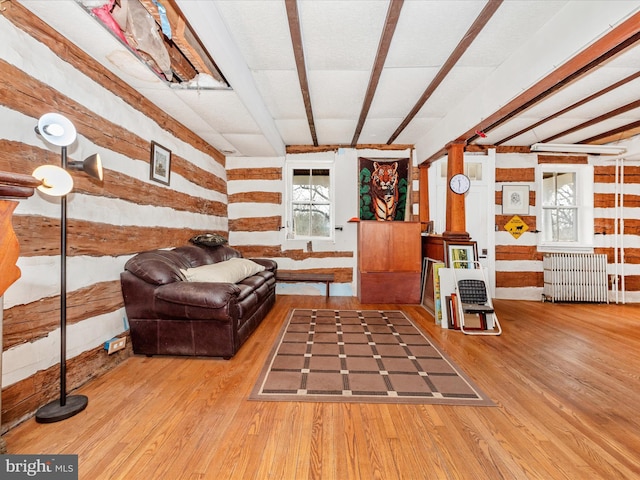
column 229, row 271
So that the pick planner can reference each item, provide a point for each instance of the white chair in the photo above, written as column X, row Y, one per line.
column 471, row 292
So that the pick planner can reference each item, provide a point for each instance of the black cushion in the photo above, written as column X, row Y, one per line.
column 208, row 239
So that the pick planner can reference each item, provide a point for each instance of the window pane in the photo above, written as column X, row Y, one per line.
column 320, row 186
column 312, row 220
column 320, row 221
column 301, row 183
column 548, row 188
column 302, row 219
column 567, row 225
column 559, row 189
column 566, row 189
column 560, row 225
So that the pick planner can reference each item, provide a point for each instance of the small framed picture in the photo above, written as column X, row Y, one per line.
column 515, row 199
column 160, row 163
column 461, row 254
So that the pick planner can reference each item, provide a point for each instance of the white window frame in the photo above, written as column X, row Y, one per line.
column 293, row 164
column 584, row 206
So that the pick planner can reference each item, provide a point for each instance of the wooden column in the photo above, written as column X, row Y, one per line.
column 424, row 195
column 456, row 223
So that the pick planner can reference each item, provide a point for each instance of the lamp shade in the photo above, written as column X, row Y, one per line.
column 56, row 129
column 56, row 181
column 92, row 166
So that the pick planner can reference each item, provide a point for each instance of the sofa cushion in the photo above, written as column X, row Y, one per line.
column 195, row 295
column 229, row 271
column 157, row 267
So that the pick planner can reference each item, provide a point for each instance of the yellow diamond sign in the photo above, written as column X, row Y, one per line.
column 516, row 226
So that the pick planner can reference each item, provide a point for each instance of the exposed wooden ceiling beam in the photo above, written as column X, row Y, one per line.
column 328, row 148
column 393, row 13
column 298, row 52
column 571, row 107
column 614, row 42
column 602, row 50
column 485, row 15
column 601, row 118
column 616, row 135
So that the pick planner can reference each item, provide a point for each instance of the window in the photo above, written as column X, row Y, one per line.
column 310, row 203
column 565, row 217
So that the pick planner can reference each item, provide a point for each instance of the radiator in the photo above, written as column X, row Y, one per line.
column 575, row 277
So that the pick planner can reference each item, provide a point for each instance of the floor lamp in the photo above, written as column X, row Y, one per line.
column 59, row 131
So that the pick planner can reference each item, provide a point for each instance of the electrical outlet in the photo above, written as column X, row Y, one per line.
column 115, row 344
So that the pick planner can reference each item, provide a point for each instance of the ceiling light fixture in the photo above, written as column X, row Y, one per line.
column 578, row 148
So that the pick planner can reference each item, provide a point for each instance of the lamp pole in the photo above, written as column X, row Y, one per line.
column 63, row 290
column 67, row 406
column 59, row 131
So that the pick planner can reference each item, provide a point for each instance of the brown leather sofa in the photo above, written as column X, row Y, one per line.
column 169, row 315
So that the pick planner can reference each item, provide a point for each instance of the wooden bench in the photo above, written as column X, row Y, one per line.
column 325, row 278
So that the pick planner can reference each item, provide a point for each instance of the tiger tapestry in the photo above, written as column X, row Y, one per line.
column 384, row 188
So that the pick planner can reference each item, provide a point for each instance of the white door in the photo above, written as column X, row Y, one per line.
column 479, row 205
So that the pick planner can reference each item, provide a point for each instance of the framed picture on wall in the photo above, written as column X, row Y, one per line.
column 515, row 199
column 461, row 254
column 160, row 163
column 384, row 188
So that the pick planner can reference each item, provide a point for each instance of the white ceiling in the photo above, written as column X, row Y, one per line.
column 523, row 43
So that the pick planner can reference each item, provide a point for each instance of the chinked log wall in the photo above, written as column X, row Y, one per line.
column 244, row 182
column 23, row 94
column 603, row 224
column 273, row 223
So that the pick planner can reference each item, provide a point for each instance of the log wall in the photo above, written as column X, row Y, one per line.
column 108, row 222
column 519, row 272
column 257, row 214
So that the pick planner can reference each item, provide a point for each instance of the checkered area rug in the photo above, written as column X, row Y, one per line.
column 367, row 356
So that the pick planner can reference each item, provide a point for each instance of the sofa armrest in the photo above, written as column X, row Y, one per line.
column 269, row 264
column 198, row 294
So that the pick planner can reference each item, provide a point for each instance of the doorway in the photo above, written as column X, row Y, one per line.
column 479, row 205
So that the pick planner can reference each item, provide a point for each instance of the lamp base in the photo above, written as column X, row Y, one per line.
column 54, row 412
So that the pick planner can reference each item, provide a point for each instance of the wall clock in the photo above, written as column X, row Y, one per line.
column 459, row 183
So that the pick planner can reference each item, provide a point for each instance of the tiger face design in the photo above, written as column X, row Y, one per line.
column 384, row 190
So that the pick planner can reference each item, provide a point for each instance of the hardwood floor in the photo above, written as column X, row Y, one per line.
column 565, row 379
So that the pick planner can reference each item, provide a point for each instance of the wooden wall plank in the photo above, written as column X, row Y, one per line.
column 29, row 322
column 518, row 252
column 262, row 251
column 519, row 279
column 256, row 224
column 607, row 200
column 341, row 275
column 564, row 159
column 267, row 173
column 515, row 175
column 607, row 174
column 631, row 255
column 41, row 236
column 256, row 197
column 21, row 158
column 607, row 226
